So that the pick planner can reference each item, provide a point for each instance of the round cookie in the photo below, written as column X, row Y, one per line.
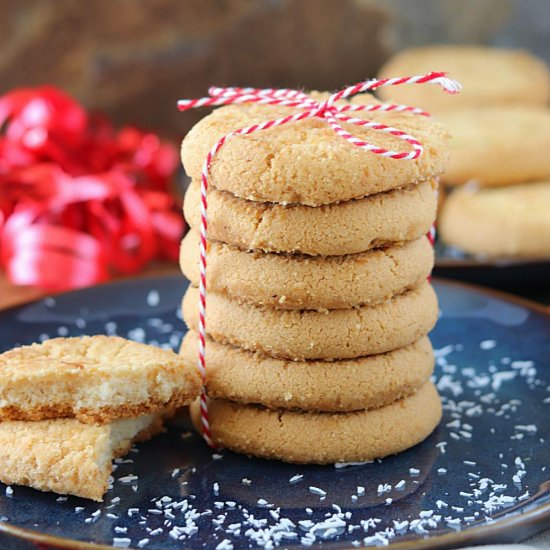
column 297, row 282
column 510, row 221
column 489, row 76
column 306, row 162
column 323, row 438
column 347, row 385
column 326, row 334
column 498, row 145
column 332, row 230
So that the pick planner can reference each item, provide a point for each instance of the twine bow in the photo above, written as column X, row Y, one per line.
column 307, row 107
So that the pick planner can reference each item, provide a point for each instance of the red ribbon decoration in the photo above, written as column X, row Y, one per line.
column 78, row 199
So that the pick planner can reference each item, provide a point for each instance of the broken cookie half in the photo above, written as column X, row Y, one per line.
column 92, row 378
column 66, row 456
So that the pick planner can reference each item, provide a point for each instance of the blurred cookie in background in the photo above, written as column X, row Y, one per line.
column 490, row 76
column 505, row 222
column 496, row 146
column 442, row 193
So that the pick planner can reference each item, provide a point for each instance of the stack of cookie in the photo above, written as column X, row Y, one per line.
column 499, row 172
column 69, row 406
column 318, row 303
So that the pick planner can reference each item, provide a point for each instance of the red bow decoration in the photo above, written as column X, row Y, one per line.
column 78, row 199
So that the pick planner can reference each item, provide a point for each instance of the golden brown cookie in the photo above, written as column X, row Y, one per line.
column 295, row 282
column 332, row 230
column 510, row 221
column 68, row 457
column 346, row 385
column 324, row 438
column 306, row 162
column 489, row 76
column 326, row 334
column 498, row 145
column 93, row 378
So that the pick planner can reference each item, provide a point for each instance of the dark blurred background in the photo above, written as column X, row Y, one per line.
column 134, row 58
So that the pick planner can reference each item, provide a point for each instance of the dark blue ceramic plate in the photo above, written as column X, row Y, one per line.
column 482, row 476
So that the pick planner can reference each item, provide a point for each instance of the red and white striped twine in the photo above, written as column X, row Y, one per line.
column 307, row 108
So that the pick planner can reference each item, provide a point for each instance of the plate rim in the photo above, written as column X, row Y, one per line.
column 445, row 262
column 495, row 534
column 495, row 293
column 531, row 521
column 440, row 280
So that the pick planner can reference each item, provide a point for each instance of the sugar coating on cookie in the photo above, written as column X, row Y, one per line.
column 324, row 438
column 306, row 162
column 287, row 281
column 325, row 334
column 489, row 76
column 365, row 383
column 496, row 146
column 509, row 221
column 348, row 227
column 93, row 378
column 66, row 456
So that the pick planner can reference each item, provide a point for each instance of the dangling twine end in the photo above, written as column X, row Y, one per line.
column 449, row 85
